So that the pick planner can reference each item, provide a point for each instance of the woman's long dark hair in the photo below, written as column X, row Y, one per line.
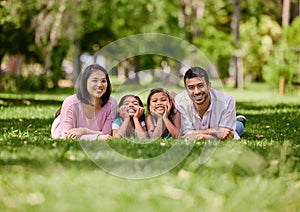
column 143, row 117
column 158, row 90
column 82, row 92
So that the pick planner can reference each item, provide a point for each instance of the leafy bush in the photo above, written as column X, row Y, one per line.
column 258, row 38
column 284, row 60
column 31, row 82
column 282, row 63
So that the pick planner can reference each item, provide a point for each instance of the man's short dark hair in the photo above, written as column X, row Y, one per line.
column 196, row 72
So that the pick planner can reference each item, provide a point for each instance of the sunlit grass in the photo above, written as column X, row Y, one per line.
column 260, row 172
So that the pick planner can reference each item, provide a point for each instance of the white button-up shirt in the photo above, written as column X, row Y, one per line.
column 221, row 112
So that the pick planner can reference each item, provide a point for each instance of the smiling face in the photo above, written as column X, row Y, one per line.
column 131, row 104
column 198, row 90
column 159, row 101
column 97, row 84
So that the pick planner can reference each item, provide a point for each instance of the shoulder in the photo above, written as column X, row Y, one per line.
column 112, row 103
column 182, row 101
column 220, row 96
column 180, row 96
column 175, row 113
column 118, row 121
column 113, row 100
column 71, row 100
column 221, row 101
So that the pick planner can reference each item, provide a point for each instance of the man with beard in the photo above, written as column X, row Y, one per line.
column 205, row 112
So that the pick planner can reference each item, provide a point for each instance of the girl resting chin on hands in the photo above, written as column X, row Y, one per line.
column 130, row 119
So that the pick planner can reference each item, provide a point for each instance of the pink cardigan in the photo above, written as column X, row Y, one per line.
column 72, row 116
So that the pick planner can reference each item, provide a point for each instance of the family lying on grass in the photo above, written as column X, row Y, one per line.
column 199, row 112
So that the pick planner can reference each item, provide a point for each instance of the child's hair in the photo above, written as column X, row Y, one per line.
column 142, row 118
column 158, row 90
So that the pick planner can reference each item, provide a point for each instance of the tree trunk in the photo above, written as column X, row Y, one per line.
column 199, row 13
column 14, row 64
column 237, row 61
column 188, row 22
column 285, row 22
column 76, row 62
column 286, row 12
column 281, row 85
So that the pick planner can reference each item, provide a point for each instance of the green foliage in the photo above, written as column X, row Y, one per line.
column 280, row 65
column 47, row 32
column 258, row 38
column 292, row 33
column 215, row 39
column 30, row 82
column 285, row 58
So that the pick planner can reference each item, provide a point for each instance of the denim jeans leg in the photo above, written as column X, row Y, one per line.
column 239, row 128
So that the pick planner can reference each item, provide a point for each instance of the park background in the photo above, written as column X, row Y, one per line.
column 254, row 46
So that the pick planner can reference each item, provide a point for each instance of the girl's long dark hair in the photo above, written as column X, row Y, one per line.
column 82, row 92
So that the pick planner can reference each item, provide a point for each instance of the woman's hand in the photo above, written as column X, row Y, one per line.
column 75, row 132
column 104, row 137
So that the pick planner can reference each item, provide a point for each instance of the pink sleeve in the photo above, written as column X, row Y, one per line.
column 67, row 116
column 112, row 112
column 89, row 137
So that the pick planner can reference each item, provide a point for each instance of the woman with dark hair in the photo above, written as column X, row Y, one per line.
column 163, row 120
column 89, row 113
column 130, row 119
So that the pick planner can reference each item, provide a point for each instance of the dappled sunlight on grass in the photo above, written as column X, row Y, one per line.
column 260, row 172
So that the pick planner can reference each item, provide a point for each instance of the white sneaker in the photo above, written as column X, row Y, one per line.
column 242, row 119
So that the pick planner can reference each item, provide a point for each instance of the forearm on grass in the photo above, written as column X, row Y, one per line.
column 140, row 131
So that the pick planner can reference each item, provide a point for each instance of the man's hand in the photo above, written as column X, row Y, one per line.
column 198, row 136
column 222, row 133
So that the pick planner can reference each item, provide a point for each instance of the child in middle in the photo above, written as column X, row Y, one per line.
column 163, row 120
column 130, row 119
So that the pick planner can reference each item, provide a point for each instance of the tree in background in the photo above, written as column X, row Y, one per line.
column 47, row 32
column 284, row 61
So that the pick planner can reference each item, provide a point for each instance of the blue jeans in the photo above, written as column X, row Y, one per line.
column 239, row 128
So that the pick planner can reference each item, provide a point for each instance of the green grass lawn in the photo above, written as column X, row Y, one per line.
column 260, row 172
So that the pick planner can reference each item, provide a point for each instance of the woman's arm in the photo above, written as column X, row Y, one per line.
column 68, row 118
